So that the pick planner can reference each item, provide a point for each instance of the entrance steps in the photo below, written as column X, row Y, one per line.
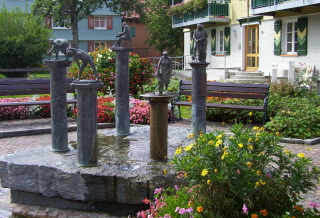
column 246, row 76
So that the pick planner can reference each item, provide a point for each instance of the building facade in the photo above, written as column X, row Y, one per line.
column 269, row 36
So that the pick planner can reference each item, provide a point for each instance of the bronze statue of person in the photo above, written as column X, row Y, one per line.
column 200, row 37
column 59, row 45
column 164, row 72
column 124, row 35
column 79, row 54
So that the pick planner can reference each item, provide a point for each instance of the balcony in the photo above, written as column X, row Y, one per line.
column 212, row 13
column 270, row 7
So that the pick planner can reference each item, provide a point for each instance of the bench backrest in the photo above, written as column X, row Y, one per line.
column 229, row 90
column 10, row 87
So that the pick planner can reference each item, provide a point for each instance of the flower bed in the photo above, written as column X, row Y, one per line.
column 9, row 113
column 242, row 174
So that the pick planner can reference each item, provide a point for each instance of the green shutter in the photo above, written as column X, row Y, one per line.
column 302, row 33
column 277, row 37
column 227, row 40
column 213, row 41
column 191, row 43
column 133, row 31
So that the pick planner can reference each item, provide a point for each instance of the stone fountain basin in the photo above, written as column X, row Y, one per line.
column 125, row 175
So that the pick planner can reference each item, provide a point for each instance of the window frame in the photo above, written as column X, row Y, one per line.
column 55, row 27
column 220, row 41
column 100, row 27
column 293, row 38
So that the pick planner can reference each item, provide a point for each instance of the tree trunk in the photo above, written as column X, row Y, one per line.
column 74, row 27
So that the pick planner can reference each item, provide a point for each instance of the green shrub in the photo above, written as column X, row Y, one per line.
column 229, row 115
column 242, row 174
column 23, row 39
column 153, row 86
column 293, row 111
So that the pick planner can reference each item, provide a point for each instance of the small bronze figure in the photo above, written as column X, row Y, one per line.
column 164, row 72
column 57, row 46
column 124, row 35
column 200, row 37
column 79, row 54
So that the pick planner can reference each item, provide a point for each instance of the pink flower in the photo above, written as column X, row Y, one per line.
column 158, row 190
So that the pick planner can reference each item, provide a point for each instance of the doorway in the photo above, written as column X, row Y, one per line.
column 252, row 47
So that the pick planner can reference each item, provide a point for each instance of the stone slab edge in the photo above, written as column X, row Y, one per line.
column 29, row 132
column 301, row 141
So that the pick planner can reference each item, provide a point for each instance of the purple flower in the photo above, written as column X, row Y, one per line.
column 189, row 210
column 245, row 209
column 182, row 211
column 158, row 190
column 177, row 209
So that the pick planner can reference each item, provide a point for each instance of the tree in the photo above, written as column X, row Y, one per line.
column 75, row 10
column 159, row 25
column 23, row 39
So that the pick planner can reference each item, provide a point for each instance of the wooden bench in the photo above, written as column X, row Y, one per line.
column 22, row 86
column 227, row 90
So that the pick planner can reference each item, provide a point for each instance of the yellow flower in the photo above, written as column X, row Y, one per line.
column 210, row 142
column 310, row 149
column 165, row 171
column 186, row 175
column 250, row 147
column 203, row 140
column 218, row 143
column 258, row 172
column 250, row 140
column 257, row 184
column 222, row 123
column 204, row 172
column 256, row 128
column 219, row 136
column 250, row 113
column 200, row 209
column 261, row 129
column 189, row 147
column 301, row 155
column 208, row 181
column 191, row 136
column 256, row 139
column 262, row 182
column 215, row 170
column 224, row 155
column 277, row 133
column 178, row 151
column 287, row 151
column 249, row 164
column 224, row 148
column 240, row 145
column 258, row 134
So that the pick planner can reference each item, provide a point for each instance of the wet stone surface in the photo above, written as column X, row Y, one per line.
column 125, row 174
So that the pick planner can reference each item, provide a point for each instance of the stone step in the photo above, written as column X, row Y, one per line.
column 261, row 80
column 241, row 73
column 246, row 77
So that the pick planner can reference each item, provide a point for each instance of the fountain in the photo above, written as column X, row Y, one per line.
column 114, row 176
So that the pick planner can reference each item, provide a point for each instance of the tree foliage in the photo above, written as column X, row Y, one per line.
column 23, row 39
column 73, row 11
column 159, row 25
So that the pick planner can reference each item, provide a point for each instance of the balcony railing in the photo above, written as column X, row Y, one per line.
column 264, row 3
column 211, row 10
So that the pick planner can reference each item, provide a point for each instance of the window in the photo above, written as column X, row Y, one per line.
column 63, row 24
column 290, row 37
column 220, row 42
column 100, row 23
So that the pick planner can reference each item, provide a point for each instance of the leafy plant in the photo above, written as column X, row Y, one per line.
column 293, row 111
column 23, row 40
column 186, row 7
column 242, row 174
